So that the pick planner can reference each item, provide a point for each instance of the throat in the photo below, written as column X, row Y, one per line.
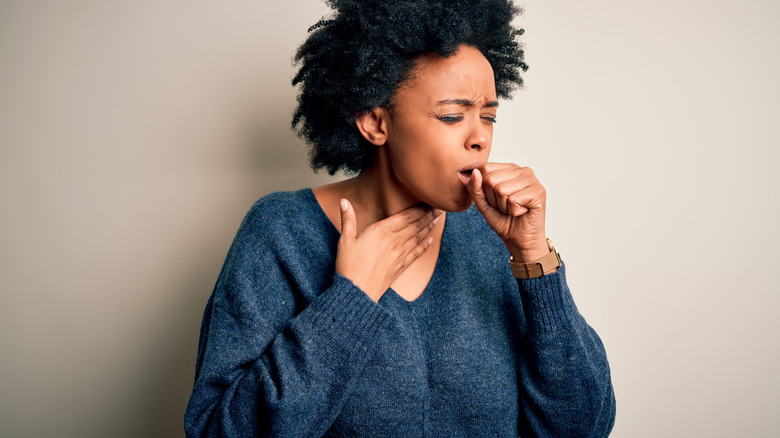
column 411, row 284
column 379, row 192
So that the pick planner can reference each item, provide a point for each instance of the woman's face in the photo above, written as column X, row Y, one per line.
column 441, row 127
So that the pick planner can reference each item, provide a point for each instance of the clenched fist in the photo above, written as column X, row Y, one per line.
column 513, row 203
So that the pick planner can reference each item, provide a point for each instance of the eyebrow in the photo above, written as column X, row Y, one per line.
column 466, row 102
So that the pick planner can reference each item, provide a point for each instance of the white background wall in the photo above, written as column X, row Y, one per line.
column 135, row 135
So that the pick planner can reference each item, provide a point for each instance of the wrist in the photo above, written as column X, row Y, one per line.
column 548, row 263
column 529, row 252
column 366, row 284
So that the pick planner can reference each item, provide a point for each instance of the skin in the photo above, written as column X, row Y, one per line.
column 391, row 215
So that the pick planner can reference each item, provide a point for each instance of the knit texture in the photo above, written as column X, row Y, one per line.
column 288, row 348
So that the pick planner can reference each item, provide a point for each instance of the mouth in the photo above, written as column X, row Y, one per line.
column 465, row 172
column 465, row 175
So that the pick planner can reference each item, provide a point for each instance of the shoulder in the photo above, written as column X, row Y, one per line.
column 281, row 205
column 283, row 209
column 280, row 217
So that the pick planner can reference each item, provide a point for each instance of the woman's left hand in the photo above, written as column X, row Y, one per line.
column 513, row 203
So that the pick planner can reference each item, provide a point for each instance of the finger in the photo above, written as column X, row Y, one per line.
column 477, row 193
column 410, row 216
column 423, row 229
column 419, row 230
column 492, row 175
column 348, row 221
column 522, row 201
column 490, row 195
column 517, row 205
column 506, row 188
column 417, row 251
column 496, row 173
column 492, row 167
column 503, row 180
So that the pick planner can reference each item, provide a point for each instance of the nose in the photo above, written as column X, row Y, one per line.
column 480, row 136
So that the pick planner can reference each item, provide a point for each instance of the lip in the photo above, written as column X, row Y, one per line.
column 472, row 166
column 465, row 172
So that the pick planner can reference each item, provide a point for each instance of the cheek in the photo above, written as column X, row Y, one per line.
column 423, row 155
column 417, row 170
column 422, row 164
column 413, row 153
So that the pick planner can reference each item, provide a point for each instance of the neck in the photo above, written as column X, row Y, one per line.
column 376, row 194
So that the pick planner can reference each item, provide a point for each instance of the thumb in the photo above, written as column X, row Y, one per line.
column 348, row 221
column 477, row 194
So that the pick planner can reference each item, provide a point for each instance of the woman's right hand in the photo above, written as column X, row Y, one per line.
column 374, row 259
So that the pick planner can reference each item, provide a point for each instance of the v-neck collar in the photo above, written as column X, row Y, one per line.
column 391, row 294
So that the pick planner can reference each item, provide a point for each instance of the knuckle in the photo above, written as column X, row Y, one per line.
column 489, row 167
column 502, row 189
column 407, row 217
column 383, row 228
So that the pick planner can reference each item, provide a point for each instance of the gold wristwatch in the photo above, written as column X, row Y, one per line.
column 538, row 267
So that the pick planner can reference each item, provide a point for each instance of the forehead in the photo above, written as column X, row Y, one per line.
column 464, row 75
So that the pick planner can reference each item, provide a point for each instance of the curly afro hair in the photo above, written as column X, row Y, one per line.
column 355, row 60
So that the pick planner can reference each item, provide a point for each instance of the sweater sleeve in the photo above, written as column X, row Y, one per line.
column 566, row 386
column 270, row 363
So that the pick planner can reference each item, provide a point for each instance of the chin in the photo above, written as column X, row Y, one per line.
column 462, row 207
column 448, row 199
column 453, row 206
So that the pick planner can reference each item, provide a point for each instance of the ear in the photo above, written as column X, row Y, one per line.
column 373, row 125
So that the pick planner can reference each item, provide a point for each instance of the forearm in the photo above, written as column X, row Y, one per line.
column 296, row 382
column 566, row 384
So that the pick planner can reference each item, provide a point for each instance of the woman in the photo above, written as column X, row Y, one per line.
column 383, row 305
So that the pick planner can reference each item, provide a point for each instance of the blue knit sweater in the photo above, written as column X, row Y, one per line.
column 288, row 348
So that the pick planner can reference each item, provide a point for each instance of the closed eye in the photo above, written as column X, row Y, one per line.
column 450, row 119
column 489, row 119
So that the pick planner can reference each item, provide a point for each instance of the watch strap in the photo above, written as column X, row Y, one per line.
column 538, row 267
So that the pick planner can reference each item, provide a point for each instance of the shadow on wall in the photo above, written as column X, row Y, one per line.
column 271, row 158
column 167, row 382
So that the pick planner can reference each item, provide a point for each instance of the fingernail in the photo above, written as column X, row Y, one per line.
column 430, row 240
column 436, row 220
column 344, row 205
